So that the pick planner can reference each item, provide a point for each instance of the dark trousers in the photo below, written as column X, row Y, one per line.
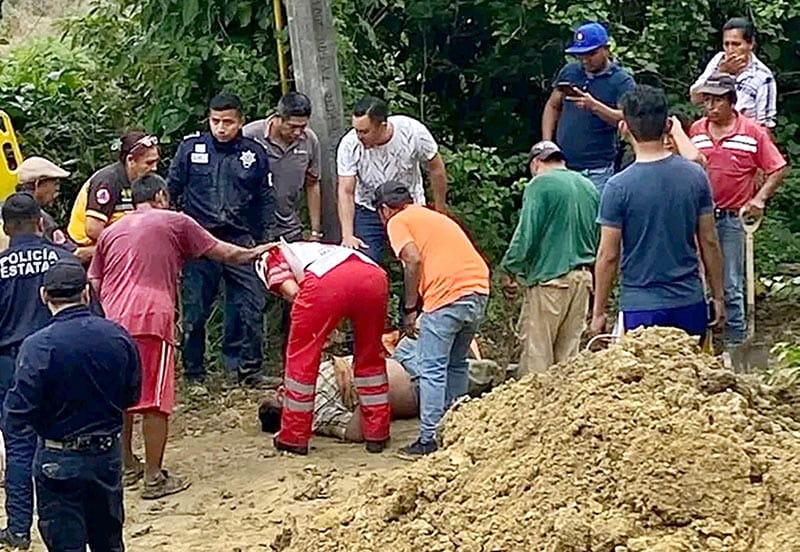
column 367, row 225
column 79, row 500
column 244, row 305
column 20, row 448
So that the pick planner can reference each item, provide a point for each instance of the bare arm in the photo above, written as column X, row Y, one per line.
column 412, row 271
column 289, row 290
column 94, row 227
column 684, row 145
column 96, row 283
column 228, row 253
column 347, row 204
column 551, row 114
column 773, row 182
column 605, row 273
column 438, row 176
column 711, row 255
column 314, row 200
column 585, row 100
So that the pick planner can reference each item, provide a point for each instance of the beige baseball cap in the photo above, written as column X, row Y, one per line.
column 38, row 168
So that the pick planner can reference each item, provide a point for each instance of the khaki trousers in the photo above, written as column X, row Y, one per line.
column 552, row 320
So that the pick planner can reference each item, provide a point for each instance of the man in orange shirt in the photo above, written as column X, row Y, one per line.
column 443, row 268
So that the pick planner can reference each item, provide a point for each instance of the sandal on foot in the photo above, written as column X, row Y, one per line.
column 164, row 485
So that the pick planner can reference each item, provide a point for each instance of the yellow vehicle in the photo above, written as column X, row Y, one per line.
column 10, row 157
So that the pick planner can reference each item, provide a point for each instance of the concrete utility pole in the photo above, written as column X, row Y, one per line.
column 316, row 72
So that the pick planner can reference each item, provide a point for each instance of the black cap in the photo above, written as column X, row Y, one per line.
column 65, row 278
column 393, row 194
column 20, row 206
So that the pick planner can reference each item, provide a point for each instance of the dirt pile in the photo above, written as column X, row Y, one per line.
column 647, row 446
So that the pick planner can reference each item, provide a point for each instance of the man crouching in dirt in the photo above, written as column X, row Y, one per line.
column 326, row 283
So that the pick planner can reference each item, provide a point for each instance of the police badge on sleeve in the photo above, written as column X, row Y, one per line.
column 247, row 158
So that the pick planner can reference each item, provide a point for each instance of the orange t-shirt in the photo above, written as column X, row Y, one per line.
column 451, row 266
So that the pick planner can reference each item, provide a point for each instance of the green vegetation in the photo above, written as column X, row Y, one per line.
column 477, row 71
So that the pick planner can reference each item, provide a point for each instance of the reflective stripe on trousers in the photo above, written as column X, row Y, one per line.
column 354, row 290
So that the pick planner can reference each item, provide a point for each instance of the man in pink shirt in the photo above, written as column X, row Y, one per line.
column 735, row 148
column 135, row 273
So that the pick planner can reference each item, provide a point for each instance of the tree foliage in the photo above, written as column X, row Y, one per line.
column 477, row 71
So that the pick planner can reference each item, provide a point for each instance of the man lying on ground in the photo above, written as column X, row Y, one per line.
column 336, row 412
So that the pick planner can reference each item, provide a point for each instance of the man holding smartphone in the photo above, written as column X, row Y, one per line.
column 581, row 115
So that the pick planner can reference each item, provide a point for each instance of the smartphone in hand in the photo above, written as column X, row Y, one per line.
column 568, row 89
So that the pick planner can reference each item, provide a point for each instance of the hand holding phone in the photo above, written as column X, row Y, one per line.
column 568, row 89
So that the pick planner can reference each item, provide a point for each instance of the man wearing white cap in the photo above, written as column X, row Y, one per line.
column 551, row 254
column 42, row 179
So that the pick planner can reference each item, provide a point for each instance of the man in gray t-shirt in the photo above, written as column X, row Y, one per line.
column 294, row 161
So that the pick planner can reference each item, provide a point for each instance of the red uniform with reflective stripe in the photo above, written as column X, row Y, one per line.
column 734, row 160
column 356, row 290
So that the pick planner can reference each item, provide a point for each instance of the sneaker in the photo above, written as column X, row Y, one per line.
column 164, row 485
column 302, row 451
column 133, row 474
column 14, row 541
column 417, row 449
column 376, row 447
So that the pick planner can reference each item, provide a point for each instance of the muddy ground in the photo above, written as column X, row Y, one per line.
column 244, row 495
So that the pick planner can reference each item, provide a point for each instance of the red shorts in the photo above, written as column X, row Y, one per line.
column 158, row 375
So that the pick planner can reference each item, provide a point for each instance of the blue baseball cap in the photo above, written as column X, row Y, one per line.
column 588, row 38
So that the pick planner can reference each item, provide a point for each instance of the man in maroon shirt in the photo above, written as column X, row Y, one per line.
column 135, row 273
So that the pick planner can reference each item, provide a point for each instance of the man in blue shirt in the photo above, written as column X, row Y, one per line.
column 73, row 392
column 222, row 180
column 581, row 115
column 657, row 213
column 22, row 268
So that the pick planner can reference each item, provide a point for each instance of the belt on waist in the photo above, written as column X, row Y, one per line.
column 726, row 213
column 82, row 443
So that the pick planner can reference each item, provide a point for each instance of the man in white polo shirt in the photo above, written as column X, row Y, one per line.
column 380, row 148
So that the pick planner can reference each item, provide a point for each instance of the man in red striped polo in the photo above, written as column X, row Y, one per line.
column 735, row 147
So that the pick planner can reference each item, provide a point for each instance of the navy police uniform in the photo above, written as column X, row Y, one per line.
column 22, row 268
column 225, row 187
column 73, row 392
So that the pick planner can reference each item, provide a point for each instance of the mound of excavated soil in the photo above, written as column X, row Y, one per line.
column 647, row 446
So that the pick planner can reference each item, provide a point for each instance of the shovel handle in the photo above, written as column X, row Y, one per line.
column 750, row 225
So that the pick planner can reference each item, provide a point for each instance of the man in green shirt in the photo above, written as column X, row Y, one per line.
column 551, row 253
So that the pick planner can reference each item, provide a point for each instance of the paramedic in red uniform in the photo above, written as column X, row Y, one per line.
column 135, row 273
column 326, row 283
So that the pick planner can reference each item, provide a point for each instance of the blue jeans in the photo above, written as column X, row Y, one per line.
column 20, row 448
column 731, row 238
column 442, row 348
column 79, row 499
column 599, row 177
column 367, row 225
column 244, row 307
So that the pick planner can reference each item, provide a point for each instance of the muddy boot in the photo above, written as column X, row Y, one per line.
column 164, row 485
column 376, row 447
column 133, row 474
column 13, row 541
column 301, row 451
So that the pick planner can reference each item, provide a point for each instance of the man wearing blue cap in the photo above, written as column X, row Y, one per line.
column 581, row 114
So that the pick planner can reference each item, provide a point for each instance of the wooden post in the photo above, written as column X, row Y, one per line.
column 316, row 71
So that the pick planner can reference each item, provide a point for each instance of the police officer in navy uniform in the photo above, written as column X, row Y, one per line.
column 73, row 392
column 22, row 269
column 221, row 179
